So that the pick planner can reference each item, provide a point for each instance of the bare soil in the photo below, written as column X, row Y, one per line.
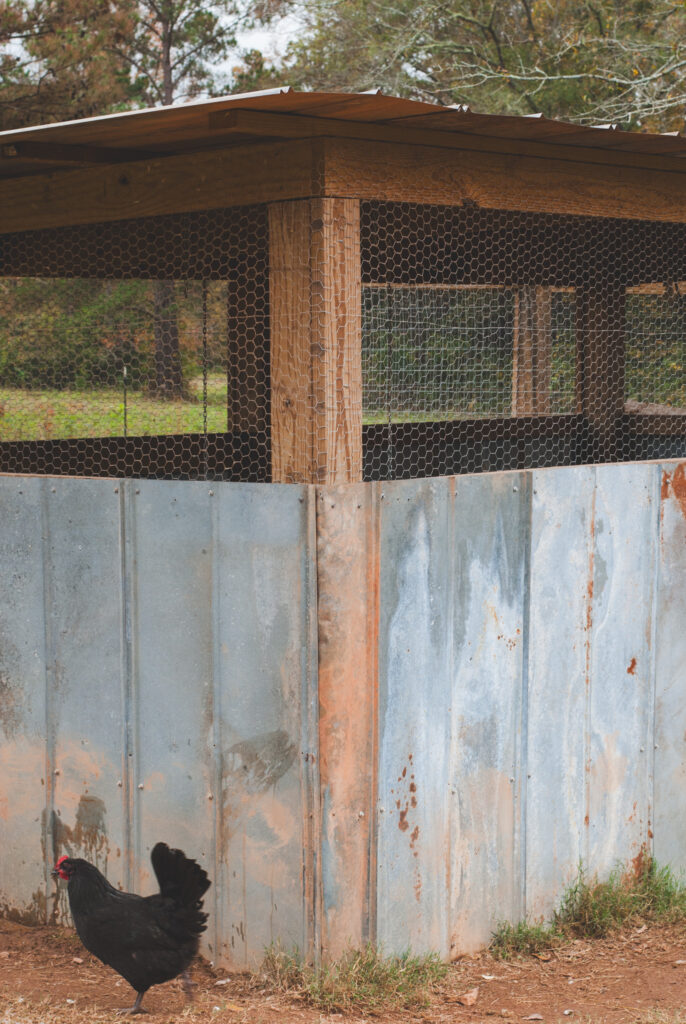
column 46, row 977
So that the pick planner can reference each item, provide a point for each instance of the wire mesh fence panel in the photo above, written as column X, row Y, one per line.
column 331, row 340
column 115, row 343
column 497, row 340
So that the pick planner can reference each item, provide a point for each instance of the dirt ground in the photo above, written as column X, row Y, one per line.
column 46, row 977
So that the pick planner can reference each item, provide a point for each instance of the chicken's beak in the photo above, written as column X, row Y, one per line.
column 55, row 873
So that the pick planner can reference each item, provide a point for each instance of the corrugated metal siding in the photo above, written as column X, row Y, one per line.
column 506, row 651
column 525, row 627
column 158, row 654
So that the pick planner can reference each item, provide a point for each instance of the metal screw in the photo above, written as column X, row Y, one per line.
column 116, row 490
column 210, row 796
column 140, row 785
column 362, row 814
column 515, row 489
column 56, row 771
column 210, row 493
column 120, row 783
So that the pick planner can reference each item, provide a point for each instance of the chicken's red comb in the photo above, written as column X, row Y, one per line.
column 62, row 858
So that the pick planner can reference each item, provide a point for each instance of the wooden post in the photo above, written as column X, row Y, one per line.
column 247, row 342
column 532, row 352
column 316, row 341
column 601, row 320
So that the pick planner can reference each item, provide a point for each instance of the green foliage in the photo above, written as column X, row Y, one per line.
column 593, row 909
column 569, row 59
column 361, row 981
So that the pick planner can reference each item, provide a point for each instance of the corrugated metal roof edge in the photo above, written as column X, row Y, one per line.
column 415, row 108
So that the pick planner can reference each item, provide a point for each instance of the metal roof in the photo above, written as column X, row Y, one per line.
column 198, row 125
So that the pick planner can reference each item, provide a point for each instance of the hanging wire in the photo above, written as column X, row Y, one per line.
column 125, row 402
column 204, row 375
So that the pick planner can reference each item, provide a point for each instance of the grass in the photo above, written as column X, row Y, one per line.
column 593, row 909
column 362, row 980
column 42, row 415
column 27, row 415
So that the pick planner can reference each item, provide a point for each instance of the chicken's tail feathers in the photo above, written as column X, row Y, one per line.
column 180, row 878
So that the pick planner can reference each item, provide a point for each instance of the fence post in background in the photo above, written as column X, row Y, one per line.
column 316, row 341
column 532, row 351
column 601, row 320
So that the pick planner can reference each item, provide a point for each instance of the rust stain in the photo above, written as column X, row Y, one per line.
column 403, row 823
column 674, row 485
column 664, row 489
column 679, row 486
column 348, row 607
column 632, row 667
column 587, row 820
column 640, row 864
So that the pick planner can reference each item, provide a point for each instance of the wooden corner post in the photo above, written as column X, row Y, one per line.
column 316, row 341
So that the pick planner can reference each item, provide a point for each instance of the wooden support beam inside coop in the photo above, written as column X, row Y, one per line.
column 532, row 351
column 316, row 341
column 601, row 330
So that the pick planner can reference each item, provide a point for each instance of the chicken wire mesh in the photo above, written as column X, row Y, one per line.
column 497, row 340
column 115, row 340
column 336, row 340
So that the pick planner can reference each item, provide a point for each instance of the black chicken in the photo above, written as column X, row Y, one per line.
column 146, row 939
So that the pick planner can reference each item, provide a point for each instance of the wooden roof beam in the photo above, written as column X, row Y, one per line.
column 55, row 153
column 264, row 124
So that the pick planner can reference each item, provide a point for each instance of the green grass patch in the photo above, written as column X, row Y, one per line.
column 593, row 909
column 46, row 414
column 362, row 981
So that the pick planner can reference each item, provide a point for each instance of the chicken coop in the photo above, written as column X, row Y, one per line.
column 343, row 453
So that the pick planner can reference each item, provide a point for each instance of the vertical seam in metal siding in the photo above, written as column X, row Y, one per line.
column 218, row 818
column 585, row 838
column 654, row 610
column 49, row 838
column 309, row 710
column 132, row 723
column 522, row 749
column 450, row 659
column 126, row 673
column 373, row 561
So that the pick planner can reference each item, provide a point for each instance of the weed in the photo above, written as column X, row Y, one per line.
column 593, row 909
column 361, row 980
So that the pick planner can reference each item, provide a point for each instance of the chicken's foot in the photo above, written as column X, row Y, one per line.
column 188, row 985
column 136, row 1008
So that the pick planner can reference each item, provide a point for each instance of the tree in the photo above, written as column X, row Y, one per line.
column 590, row 60
column 56, row 60
column 170, row 57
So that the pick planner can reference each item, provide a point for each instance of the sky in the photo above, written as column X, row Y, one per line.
column 271, row 41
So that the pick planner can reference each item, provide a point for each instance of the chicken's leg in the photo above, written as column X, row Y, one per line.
column 188, row 985
column 136, row 1008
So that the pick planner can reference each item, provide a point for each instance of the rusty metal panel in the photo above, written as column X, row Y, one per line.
column 415, row 692
column 25, row 768
column 266, row 665
column 670, row 673
column 488, row 654
column 620, row 681
column 157, row 681
column 348, row 592
column 560, row 622
column 169, row 564
column 82, row 570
